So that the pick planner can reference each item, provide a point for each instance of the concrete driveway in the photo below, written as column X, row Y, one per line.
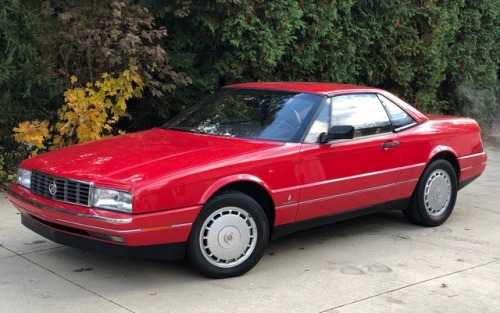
column 378, row 263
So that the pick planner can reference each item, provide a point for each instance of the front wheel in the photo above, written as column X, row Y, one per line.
column 229, row 236
column 434, row 197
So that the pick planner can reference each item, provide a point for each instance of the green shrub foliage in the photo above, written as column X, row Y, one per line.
column 442, row 56
column 28, row 90
column 26, row 86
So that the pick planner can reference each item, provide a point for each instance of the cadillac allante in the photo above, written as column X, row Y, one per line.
column 250, row 163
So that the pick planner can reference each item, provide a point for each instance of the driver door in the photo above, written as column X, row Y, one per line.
column 348, row 174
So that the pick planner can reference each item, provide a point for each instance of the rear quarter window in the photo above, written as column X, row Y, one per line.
column 399, row 118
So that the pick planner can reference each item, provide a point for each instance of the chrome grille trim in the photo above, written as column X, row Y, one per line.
column 68, row 190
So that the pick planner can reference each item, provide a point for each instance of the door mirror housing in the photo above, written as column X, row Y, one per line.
column 337, row 132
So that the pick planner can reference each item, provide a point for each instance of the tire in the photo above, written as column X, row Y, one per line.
column 434, row 197
column 229, row 236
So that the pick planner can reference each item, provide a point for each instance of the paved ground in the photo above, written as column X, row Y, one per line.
column 378, row 263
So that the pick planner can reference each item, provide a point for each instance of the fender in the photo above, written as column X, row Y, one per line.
column 224, row 181
column 440, row 149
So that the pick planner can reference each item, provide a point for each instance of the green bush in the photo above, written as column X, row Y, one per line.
column 474, row 72
column 442, row 56
column 28, row 88
column 2, row 174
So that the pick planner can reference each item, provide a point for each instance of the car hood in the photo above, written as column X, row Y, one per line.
column 123, row 161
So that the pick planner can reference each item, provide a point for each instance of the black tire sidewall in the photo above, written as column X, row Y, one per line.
column 418, row 198
column 244, row 202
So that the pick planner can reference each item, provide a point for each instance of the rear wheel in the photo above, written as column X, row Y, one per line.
column 229, row 236
column 434, row 197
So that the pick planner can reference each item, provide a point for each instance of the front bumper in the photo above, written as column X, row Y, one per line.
column 159, row 235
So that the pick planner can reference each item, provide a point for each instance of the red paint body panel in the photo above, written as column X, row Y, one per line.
column 129, row 160
column 172, row 174
column 343, row 167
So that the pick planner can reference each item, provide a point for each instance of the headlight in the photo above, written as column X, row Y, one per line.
column 24, row 177
column 112, row 200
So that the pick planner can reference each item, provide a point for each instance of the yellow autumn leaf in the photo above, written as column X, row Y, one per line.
column 32, row 133
column 90, row 112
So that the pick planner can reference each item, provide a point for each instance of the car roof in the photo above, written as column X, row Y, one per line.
column 330, row 89
column 326, row 89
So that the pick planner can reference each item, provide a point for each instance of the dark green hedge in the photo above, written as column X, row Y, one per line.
column 442, row 56
column 28, row 89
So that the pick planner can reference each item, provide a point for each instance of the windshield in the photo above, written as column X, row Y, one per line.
column 249, row 113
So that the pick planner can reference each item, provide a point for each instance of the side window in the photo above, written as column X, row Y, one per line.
column 399, row 118
column 363, row 111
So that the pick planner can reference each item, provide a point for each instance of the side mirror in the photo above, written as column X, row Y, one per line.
column 337, row 132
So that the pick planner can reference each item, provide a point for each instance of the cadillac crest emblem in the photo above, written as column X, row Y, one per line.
column 52, row 188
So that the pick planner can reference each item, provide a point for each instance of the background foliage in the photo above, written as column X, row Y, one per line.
column 28, row 89
column 435, row 54
column 89, row 112
column 442, row 56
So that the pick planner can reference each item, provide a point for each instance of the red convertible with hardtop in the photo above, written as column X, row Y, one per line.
column 250, row 163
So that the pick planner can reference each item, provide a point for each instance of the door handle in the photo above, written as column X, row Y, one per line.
column 390, row 145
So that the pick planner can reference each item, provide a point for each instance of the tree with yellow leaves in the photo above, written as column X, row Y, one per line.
column 89, row 113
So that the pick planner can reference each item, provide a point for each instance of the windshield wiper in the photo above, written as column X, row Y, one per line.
column 187, row 129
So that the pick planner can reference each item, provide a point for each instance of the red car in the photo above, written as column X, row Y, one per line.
column 251, row 162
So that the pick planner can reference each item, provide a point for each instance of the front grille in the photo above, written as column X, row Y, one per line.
column 60, row 189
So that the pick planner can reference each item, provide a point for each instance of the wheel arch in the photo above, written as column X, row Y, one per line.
column 447, row 154
column 249, row 185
